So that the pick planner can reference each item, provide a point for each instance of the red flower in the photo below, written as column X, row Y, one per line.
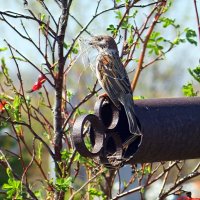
column 2, row 105
column 38, row 84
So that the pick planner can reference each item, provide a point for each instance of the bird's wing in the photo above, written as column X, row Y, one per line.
column 113, row 78
column 114, row 74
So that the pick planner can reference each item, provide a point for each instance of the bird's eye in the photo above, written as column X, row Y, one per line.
column 99, row 39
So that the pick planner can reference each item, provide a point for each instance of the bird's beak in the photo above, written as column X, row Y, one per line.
column 92, row 42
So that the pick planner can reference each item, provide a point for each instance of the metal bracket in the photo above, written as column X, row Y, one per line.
column 167, row 126
column 102, row 134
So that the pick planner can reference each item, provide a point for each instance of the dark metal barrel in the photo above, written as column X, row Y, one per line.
column 170, row 128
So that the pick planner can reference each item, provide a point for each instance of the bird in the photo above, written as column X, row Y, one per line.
column 113, row 78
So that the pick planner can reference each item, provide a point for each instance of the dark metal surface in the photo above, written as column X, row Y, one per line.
column 170, row 131
column 94, row 132
column 170, row 127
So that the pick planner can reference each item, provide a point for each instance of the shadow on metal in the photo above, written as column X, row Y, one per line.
column 170, row 131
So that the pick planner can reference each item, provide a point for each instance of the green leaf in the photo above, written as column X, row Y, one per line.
column 112, row 29
column 16, row 102
column 130, row 40
column 83, row 160
column 195, row 73
column 18, row 58
column 38, row 194
column 167, row 21
column 28, row 100
column 95, row 192
column 62, row 184
column 42, row 18
column 3, row 49
column 142, row 190
column 42, row 27
column 41, row 99
column 125, row 183
column 125, row 24
column 154, row 43
column 65, row 155
column 13, row 187
column 154, row 35
column 75, row 48
column 4, row 67
column 126, row 2
column 147, row 169
column 16, row 106
column 39, row 151
column 191, row 36
column 9, row 173
column 69, row 95
column 178, row 40
column 160, row 39
column 118, row 14
column 80, row 111
column 134, row 14
column 66, row 46
column 188, row 90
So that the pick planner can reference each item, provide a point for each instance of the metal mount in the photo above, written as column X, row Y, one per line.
column 99, row 135
column 170, row 130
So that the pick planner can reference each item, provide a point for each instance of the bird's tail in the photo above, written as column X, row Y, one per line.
column 129, row 109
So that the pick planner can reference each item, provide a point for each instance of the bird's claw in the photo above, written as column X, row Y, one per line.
column 104, row 95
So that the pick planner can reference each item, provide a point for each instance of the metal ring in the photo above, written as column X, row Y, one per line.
column 110, row 158
column 107, row 112
column 96, row 134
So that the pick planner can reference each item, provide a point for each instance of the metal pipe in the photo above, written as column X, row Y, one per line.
column 170, row 128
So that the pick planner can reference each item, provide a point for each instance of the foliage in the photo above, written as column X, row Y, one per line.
column 13, row 187
column 37, row 114
column 188, row 89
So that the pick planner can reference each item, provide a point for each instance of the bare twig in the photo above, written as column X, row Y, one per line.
column 197, row 17
column 142, row 55
column 86, row 183
column 86, row 98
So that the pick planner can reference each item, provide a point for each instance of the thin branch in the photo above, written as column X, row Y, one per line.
column 98, row 4
column 50, row 13
column 30, row 163
column 197, row 17
column 31, row 63
column 86, row 98
column 37, row 137
column 164, row 180
column 4, row 162
column 18, row 15
column 86, row 183
column 142, row 55
column 88, row 24
column 74, row 18
column 178, row 183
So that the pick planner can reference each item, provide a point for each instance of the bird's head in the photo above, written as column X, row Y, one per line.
column 103, row 42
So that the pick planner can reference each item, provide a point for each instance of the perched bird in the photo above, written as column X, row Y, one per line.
column 113, row 77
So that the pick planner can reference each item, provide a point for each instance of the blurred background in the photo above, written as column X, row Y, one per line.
column 162, row 79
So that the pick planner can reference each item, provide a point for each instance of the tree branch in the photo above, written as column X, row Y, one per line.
column 142, row 55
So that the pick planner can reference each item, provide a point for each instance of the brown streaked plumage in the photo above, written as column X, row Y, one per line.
column 113, row 77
